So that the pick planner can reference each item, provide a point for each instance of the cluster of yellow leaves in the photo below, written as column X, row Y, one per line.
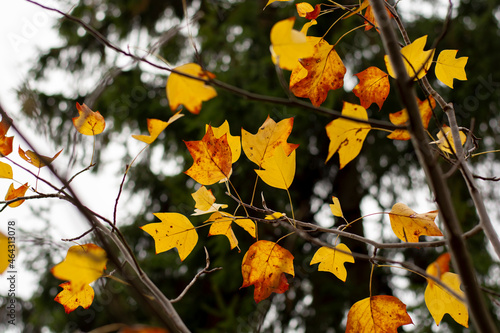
column 83, row 265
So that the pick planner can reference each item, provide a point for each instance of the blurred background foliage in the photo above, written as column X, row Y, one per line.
column 232, row 41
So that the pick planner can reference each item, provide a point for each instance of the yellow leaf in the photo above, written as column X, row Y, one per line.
column 37, row 160
column 449, row 68
column 336, row 208
column 443, row 144
column 333, row 261
column 221, row 224
column 155, row 127
column 5, row 171
column 409, row 226
column 279, row 170
column 346, row 136
column 174, row 230
column 8, row 250
column 89, row 122
column 262, row 146
column 377, row 314
column 205, row 202
column 415, row 59
column 313, row 77
column 83, row 265
column 439, row 301
column 274, row 216
column 303, row 8
column 234, row 142
column 13, row 193
column 189, row 92
column 288, row 45
column 264, row 266
column 72, row 299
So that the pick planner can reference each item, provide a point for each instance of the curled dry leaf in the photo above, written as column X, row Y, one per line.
column 89, row 122
column 409, row 226
column 264, row 266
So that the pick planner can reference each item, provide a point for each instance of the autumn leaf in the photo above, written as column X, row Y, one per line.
column 415, row 59
column 347, row 136
column 377, row 314
column 71, row 299
column 400, row 118
column 264, row 266
column 333, row 261
column 449, row 68
column 271, row 135
column 6, row 171
column 205, row 202
column 212, row 159
column 315, row 76
column 279, row 170
column 33, row 158
column 221, row 224
column 83, row 265
column 89, row 122
column 155, row 127
column 5, row 141
column 409, row 226
column 442, row 143
column 288, row 45
column 6, row 248
column 305, row 9
column 370, row 16
column 275, row 216
column 438, row 300
column 174, row 230
column 234, row 142
column 13, row 193
column 189, row 92
column 336, row 208
column 373, row 87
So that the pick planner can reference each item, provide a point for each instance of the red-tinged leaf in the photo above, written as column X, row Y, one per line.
column 373, row 87
column 234, row 142
column 6, row 145
column 191, row 93
column 83, row 265
column 212, row 159
column 305, row 9
column 33, row 158
column 371, row 17
column 315, row 76
column 264, row 266
column 71, row 299
column 13, row 193
column 89, row 122
column 401, row 118
column 377, row 314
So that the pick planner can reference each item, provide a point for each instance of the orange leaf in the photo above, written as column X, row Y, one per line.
column 5, row 142
column 212, row 159
column 371, row 17
column 83, row 265
column 37, row 160
column 346, row 136
column 305, row 9
column 155, row 127
column 234, row 142
column 174, row 230
column 264, row 266
column 409, row 226
column 189, row 92
column 438, row 300
column 373, row 87
column 72, row 299
column 315, row 76
column 401, row 118
column 377, row 314
column 289, row 45
column 89, row 122
column 262, row 146
column 13, row 193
